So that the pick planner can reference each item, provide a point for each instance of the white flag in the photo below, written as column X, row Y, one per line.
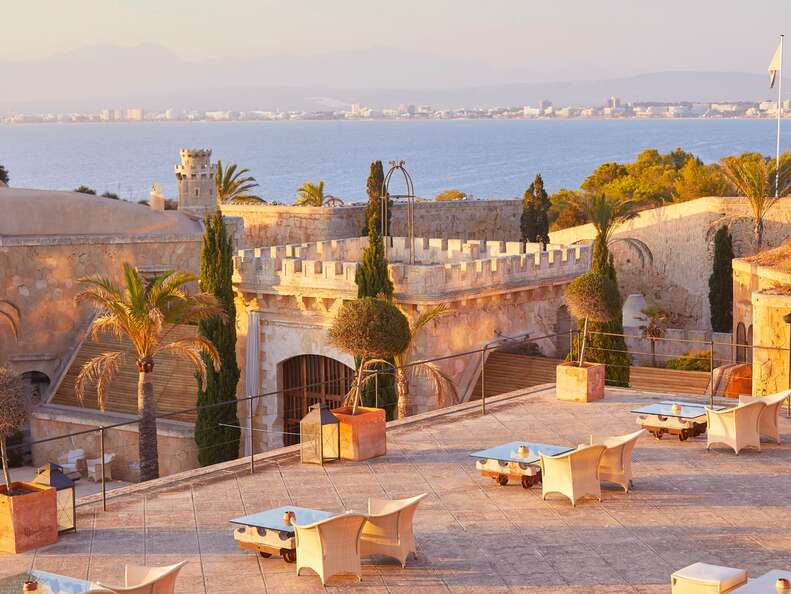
column 774, row 65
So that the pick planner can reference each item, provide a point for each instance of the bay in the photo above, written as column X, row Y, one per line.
column 485, row 158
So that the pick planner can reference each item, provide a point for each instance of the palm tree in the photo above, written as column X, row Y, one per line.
column 756, row 178
column 310, row 194
column 606, row 214
column 233, row 187
column 145, row 312
column 654, row 318
column 443, row 385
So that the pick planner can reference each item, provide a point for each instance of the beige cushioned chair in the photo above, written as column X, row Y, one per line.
column 615, row 465
column 330, row 547
column 574, row 474
column 388, row 528
column 735, row 427
column 139, row 579
column 768, row 425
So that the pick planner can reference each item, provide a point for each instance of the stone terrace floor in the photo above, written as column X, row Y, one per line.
column 472, row 535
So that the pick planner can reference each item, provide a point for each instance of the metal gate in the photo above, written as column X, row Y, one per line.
column 308, row 380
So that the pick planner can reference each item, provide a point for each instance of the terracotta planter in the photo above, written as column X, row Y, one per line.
column 579, row 384
column 363, row 435
column 27, row 521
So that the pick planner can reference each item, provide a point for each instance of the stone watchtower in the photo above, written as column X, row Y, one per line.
column 195, row 175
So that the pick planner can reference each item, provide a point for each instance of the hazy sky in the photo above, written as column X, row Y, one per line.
column 520, row 39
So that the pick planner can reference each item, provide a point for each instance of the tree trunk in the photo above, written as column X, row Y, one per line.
column 758, row 234
column 402, row 387
column 653, row 353
column 6, row 475
column 147, row 438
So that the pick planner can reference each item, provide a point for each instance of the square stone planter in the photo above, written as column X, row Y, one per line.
column 27, row 521
column 363, row 436
column 579, row 384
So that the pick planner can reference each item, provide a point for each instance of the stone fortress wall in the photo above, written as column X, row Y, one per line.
column 681, row 238
column 443, row 266
column 288, row 296
column 268, row 225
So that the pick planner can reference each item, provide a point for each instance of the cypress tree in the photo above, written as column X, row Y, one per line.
column 721, row 282
column 534, row 222
column 373, row 211
column 602, row 347
column 217, row 442
column 373, row 280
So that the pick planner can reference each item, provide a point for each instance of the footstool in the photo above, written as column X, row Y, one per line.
column 702, row 578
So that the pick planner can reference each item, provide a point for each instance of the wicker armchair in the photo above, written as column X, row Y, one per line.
column 768, row 425
column 139, row 579
column 615, row 465
column 574, row 474
column 388, row 528
column 330, row 547
column 735, row 427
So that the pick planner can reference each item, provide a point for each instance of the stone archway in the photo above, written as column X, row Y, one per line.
column 39, row 384
column 308, row 380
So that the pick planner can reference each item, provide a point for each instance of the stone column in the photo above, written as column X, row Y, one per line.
column 252, row 370
column 770, row 365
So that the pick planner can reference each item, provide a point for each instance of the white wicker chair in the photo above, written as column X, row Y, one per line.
column 73, row 461
column 139, row 579
column 735, row 427
column 768, row 425
column 93, row 468
column 330, row 547
column 574, row 474
column 388, row 528
column 615, row 465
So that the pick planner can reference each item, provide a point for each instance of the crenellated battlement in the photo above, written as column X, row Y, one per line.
column 442, row 266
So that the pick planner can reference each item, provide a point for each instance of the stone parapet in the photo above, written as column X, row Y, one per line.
column 442, row 266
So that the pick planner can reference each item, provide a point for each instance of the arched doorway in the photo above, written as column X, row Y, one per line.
column 308, row 380
column 39, row 384
column 741, row 343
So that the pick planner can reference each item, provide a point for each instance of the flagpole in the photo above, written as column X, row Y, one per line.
column 779, row 112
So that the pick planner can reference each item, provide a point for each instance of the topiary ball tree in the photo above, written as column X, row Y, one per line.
column 14, row 407
column 369, row 328
column 592, row 296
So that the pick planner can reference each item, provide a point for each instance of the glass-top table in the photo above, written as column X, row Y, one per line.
column 764, row 584
column 687, row 421
column 504, row 462
column 48, row 583
column 266, row 532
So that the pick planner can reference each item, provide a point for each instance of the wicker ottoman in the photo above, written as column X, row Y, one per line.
column 702, row 578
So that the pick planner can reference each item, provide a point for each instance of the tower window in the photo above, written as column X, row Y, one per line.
column 197, row 192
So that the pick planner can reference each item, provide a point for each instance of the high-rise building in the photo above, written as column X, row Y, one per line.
column 135, row 114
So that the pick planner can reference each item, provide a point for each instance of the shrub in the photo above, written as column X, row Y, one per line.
column 14, row 408
column 370, row 328
column 691, row 361
column 593, row 296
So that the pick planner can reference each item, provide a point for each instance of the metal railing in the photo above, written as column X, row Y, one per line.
column 540, row 346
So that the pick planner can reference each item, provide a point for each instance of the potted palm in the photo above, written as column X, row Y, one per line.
column 372, row 330
column 591, row 296
column 28, row 512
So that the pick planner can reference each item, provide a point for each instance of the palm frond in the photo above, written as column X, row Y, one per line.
column 106, row 323
column 192, row 348
column 443, row 385
column 99, row 371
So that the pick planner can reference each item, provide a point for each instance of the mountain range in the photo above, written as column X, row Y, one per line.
column 153, row 77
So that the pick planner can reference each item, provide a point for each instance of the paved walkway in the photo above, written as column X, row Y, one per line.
column 473, row 536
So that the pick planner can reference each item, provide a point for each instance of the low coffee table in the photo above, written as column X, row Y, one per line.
column 267, row 534
column 764, row 584
column 660, row 418
column 503, row 462
column 48, row 583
